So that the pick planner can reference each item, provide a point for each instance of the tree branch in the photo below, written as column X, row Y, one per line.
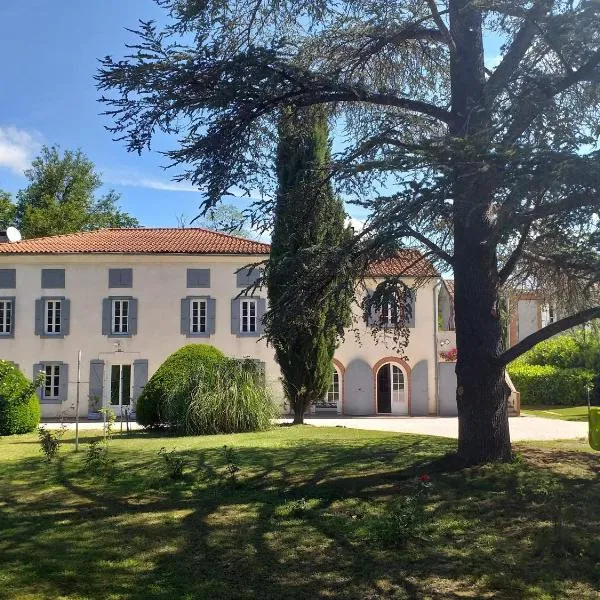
column 431, row 245
column 437, row 17
column 512, row 261
column 547, row 332
column 520, row 44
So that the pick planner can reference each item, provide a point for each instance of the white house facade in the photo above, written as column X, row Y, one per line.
column 128, row 298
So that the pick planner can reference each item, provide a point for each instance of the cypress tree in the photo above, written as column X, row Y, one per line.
column 308, row 223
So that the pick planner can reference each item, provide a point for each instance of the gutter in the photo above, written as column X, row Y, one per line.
column 436, row 358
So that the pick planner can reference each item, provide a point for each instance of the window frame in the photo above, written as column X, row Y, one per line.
column 55, row 382
column 53, row 327
column 250, row 302
column 113, row 316
column 4, row 302
column 200, row 301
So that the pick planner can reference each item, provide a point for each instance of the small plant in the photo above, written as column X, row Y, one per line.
column 406, row 520
column 97, row 460
column 449, row 355
column 50, row 440
column 231, row 467
column 110, row 419
column 174, row 462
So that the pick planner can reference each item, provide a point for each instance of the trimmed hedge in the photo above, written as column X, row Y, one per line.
column 579, row 349
column 172, row 375
column 19, row 404
column 550, row 385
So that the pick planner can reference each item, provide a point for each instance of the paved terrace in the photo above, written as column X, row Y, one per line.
column 521, row 428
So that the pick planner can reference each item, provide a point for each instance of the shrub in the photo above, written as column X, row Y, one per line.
column 174, row 463
column 97, row 459
column 176, row 373
column 50, row 441
column 227, row 397
column 19, row 404
column 550, row 385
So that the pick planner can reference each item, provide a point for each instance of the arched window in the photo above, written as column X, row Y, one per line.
column 333, row 397
column 391, row 390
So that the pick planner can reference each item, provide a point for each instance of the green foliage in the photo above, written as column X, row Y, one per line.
column 97, row 459
column 19, row 404
column 60, row 197
column 227, row 218
column 176, row 373
column 551, row 386
column 174, row 463
column 309, row 224
column 228, row 396
column 110, row 418
column 8, row 210
column 50, row 441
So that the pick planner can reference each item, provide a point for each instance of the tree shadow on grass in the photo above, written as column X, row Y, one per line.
column 295, row 523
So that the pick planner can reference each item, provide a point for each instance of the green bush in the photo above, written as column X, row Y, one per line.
column 174, row 374
column 19, row 404
column 550, row 385
column 227, row 397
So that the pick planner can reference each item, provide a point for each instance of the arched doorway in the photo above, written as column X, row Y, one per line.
column 391, row 392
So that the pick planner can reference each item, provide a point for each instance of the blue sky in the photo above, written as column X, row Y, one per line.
column 50, row 51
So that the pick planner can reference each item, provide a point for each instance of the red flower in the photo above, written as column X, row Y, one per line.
column 424, row 478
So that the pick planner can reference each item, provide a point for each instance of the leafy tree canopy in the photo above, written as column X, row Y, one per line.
column 485, row 158
column 60, row 198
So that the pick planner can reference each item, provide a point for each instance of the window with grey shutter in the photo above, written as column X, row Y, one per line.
column 140, row 377
column 198, row 278
column 52, row 317
column 185, row 316
column 198, row 316
column 8, row 279
column 133, row 316
column 63, row 382
column 38, row 370
column 54, row 381
column 96, row 385
column 53, row 278
column 120, row 278
column 373, row 316
column 235, row 316
column 7, row 317
column 247, row 276
column 246, row 316
column 119, row 316
column 262, row 308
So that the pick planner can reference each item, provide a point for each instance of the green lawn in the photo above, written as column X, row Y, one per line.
column 313, row 513
column 566, row 413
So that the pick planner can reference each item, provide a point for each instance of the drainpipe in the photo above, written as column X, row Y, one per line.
column 436, row 358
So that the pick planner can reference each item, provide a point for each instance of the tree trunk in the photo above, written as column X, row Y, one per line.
column 300, row 404
column 481, row 397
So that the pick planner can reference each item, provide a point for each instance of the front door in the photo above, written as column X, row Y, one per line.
column 391, row 390
column 120, row 388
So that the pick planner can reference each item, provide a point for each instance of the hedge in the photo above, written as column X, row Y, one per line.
column 178, row 368
column 579, row 349
column 550, row 385
column 19, row 404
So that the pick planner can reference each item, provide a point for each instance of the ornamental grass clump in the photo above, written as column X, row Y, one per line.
column 226, row 397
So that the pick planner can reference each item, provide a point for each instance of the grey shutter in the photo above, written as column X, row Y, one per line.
column 247, row 276
column 8, row 279
column 261, row 308
column 212, row 315
column 413, row 307
column 63, row 383
column 39, row 316
column 120, row 278
column 185, row 316
column 96, row 389
column 198, row 278
column 53, row 278
column 140, row 377
column 36, row 372
column 65, row 325
column 133, row 316
column 106, row 316
column 235, row 316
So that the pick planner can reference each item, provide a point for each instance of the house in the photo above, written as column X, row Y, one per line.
column 127, row 298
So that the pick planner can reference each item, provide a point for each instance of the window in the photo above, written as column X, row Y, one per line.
column 548, row 314
column 332, row 397
column 53, row 316
column 389, row 315
column 120, row 316
column 248, row 316
column 198, row 313
column 51, row 382
column 397, row 384
column 120, row 385
column 6, row 317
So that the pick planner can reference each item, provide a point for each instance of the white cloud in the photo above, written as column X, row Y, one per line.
column 18, row 147
column 356, row 224
column 148, row 182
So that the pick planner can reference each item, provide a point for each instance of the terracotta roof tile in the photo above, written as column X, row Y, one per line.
column 138, row 241
column 408, row 263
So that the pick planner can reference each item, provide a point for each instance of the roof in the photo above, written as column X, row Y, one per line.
column 408, row 263
column 138, row 241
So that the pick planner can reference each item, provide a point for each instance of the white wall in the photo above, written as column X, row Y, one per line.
column 159, row 283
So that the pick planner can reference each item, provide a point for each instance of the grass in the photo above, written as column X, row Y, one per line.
column 566, row 413
column 300, row 520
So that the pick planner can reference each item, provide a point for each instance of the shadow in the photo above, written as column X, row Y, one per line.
column 298, row 521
